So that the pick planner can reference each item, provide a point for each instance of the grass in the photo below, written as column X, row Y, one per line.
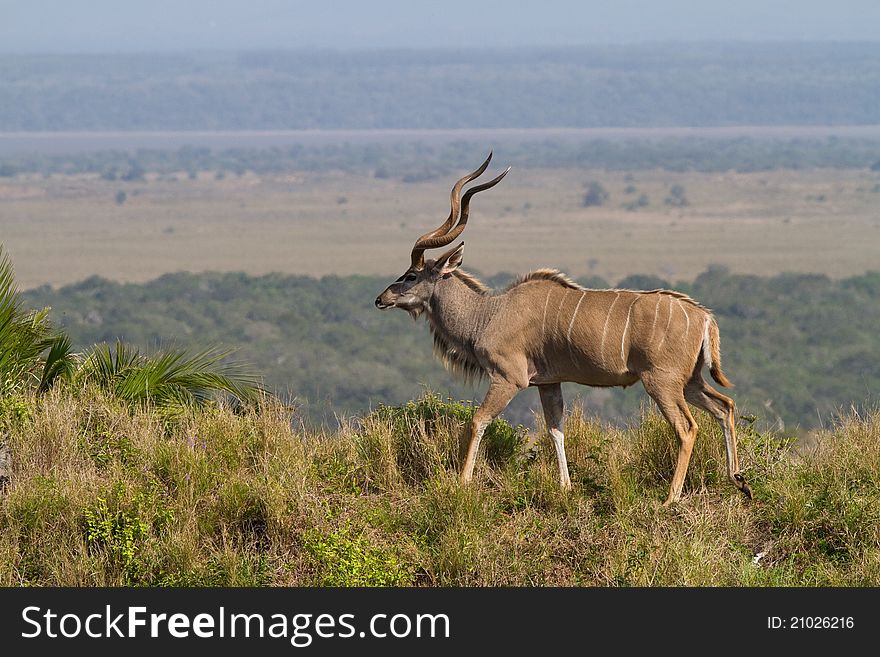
column 102, row 493
column 763, row 223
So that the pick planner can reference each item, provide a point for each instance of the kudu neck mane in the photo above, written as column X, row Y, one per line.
column 461, row 308
column 552, row 275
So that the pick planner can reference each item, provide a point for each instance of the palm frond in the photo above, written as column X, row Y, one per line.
column 106, row 367
column 23, row 333
column 169, row 378
column 59, row 362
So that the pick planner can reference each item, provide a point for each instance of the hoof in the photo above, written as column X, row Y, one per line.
column 740, row 483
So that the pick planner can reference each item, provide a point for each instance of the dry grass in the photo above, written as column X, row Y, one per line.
column 100, row 495
column 65, row 228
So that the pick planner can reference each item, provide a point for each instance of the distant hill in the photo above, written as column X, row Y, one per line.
column 656, row 85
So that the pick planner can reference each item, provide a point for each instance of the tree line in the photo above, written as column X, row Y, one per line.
column 799, row 347
column 417, row 161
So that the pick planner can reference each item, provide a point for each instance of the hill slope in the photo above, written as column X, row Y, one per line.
column 99, row 495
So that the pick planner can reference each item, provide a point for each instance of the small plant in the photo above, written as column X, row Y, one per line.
column 344, row 559
column 117, row 532
column 120, row 529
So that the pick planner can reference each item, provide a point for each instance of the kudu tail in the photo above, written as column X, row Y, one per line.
column 712, row 352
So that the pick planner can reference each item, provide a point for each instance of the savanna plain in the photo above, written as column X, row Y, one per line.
column 66, row 228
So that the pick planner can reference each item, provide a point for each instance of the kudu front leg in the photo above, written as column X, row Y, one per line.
column 497, row 398
column 551, row 401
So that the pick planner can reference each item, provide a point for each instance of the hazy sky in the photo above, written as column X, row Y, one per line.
column 167, row 25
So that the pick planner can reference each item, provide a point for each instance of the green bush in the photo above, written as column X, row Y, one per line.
column 343, row 559
column 119, row 525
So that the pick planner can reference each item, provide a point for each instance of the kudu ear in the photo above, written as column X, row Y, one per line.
column 450, row 261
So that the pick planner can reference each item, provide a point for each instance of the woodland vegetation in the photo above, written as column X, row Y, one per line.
column 800, row 348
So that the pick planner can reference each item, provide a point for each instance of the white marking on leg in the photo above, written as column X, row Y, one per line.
column 559, row 443
column 654, row 323
column 605, row 329
column 623, row 337
column 544, row 321
column 571, row 325
column 668, row 322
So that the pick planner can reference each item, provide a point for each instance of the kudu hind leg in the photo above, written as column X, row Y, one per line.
column 553, row 405
column 496, row 400
column 721, row 407
column 676, row 411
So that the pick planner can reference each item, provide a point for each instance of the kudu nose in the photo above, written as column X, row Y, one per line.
column 378, row 301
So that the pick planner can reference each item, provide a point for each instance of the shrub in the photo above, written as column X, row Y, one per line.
column 676, row 197
column 343, row 559
column 595, row 196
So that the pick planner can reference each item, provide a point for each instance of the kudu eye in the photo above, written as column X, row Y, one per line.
column 410, row 277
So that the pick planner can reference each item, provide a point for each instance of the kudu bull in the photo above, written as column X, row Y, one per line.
column 545, row 329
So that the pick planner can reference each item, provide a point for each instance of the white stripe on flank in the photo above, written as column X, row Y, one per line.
column 654, row 323
column 544, row 321
column 687, row 328
column 605, row 329
column 571, row 324
column 623, row 337
column 668, row 322
column 559, row 310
